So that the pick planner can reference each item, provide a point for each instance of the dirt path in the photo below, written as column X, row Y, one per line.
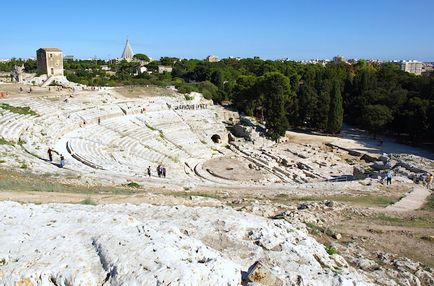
column 77, row 198
column 412, row 201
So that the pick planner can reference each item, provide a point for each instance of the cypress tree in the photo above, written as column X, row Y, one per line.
column 336, row 111
column 275, row 88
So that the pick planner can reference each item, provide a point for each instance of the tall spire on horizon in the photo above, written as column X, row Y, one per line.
column 128, row 51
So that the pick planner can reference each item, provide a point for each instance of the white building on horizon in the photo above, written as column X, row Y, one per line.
column 414, row 67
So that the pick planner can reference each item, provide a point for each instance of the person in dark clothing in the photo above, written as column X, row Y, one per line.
column 62, row 161
column 149, row 171
column 50, row 154
column 163, row 172
column 389, row 178
column 159, row 171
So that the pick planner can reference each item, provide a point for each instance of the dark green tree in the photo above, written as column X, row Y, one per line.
column 336, row 111
column 168, row 61
column 141, row 57
column 217, row 79
column 245, row 96
column 321, row 110
column 276, row 90
column 376, row 117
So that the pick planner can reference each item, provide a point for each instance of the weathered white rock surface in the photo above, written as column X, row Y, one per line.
column 61, row 244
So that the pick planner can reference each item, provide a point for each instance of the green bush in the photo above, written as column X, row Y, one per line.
column 186, row 88
column 18, row 109
column 331, row 249
column 88, row 201
column 133, row 185
column 5, row 142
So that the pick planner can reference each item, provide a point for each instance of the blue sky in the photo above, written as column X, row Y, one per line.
column 295, row 29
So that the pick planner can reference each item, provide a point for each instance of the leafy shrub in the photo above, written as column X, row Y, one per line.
column 88, row 201
column 133, row 185
column 331, row 249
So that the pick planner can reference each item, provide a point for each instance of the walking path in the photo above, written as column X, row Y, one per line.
column 412, row 201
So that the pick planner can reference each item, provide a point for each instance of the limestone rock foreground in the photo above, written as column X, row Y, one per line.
column 61, row 244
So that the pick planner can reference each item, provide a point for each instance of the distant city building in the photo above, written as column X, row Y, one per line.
column 212, row 59
column 140, row 70
column 339, row 59
column 414, row 67
column 128, row 53
column 50, row 61
column 162, row 69
column 314, row 62
column 427, row 68
column 68, row 57
column 283, row 60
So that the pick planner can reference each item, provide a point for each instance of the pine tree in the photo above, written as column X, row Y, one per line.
column 336, row 111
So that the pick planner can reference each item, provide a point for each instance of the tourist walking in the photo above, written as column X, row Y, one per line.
column 429, row 181
column 389, row 178
column 50, row 154
column 159, row 171
column 163, row 172
column 62, row 161
column 149, row 171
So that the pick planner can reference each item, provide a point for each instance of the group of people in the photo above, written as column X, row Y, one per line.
column 50, row 157
column 161, row 171
column 427, row 179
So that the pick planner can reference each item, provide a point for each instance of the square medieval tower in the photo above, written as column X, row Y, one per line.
column 50, row 61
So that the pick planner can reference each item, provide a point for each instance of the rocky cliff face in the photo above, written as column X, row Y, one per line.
column 60, row 244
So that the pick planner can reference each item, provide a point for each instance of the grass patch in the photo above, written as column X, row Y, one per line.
column 188, row 97
column 316, row 229
column 194, row 194
column 5, row 142
column 18, row 182
column 429, row 206
column 88, row 201
column 150, row 127
column 370, row 200
column 414, row 221
column 365, row 200
column 23, row 166
column 133, row 185
column 2, row 161
column 281, row 196
column 331, row 249
column 18, row 109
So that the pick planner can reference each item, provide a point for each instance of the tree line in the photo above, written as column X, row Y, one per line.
column 380, row 98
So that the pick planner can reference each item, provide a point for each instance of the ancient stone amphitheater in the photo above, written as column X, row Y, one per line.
column 119, row 137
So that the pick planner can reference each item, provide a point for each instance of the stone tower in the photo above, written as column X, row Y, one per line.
column 50, row 61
